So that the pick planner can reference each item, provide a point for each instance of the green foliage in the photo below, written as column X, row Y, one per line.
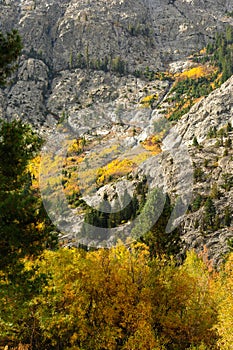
column 228, row 181
column 16, row 317
column 197, row 203
column 186, row 91
column 189, row 89
column 229, row 14
column 106, row 64
column 227, row 216
column 212, row 133
column 22, row 218
column 198, row 174
column 25, row 230
column 229, row 127
column 220, row 53
column 195, row 142
column 10, row 49
column 153, row 222
column 18, row 145
column 107, row 216
column 210, row 212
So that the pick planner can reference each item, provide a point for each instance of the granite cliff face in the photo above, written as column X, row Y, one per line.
column 81, row 63
column 59, row 37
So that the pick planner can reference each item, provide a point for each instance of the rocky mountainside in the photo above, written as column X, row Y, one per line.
column 60, row 37
column 192, row 173
column 95, row 68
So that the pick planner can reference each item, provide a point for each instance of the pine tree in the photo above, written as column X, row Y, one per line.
column 209, row 213
column 197, row 203
column 195, row 142
column 10, row 49
column 153, row 222
column 227, row 217
column 24, row 227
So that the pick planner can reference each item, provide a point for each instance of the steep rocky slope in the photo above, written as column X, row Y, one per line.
column 61, row 36
column 192, row 173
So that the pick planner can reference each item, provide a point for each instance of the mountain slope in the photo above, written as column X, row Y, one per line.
column 61, row 36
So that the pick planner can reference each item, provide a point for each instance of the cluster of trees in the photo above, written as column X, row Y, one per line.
column 186, row 91
column 220, row 52
column 25, row 230
column 211, row 219
column 121, row 210
column 193, row 88
column 106, row 64
column 114, row 64
column 108, row 216
column 116, row 299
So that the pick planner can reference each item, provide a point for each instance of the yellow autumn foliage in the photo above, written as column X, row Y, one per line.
column 195, row 72
column 203, row 51
column 114, row 169
column 120, row 298
column 33, row 168
column 225, row 315
column 76, row 146
column 148, row 100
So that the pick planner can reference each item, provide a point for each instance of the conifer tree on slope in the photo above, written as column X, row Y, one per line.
column 24, row 229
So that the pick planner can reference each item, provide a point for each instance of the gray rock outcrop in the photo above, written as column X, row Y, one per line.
column 60, row 36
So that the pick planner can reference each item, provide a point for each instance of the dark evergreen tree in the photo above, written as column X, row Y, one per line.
column 135, row 206
column 197, row 202
column 24, row 227
column 10, row 49
column 229, row 127
column 153, row 221
column 195, row 142
column 159, row 241
column 227, row 217
column 209, row 213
